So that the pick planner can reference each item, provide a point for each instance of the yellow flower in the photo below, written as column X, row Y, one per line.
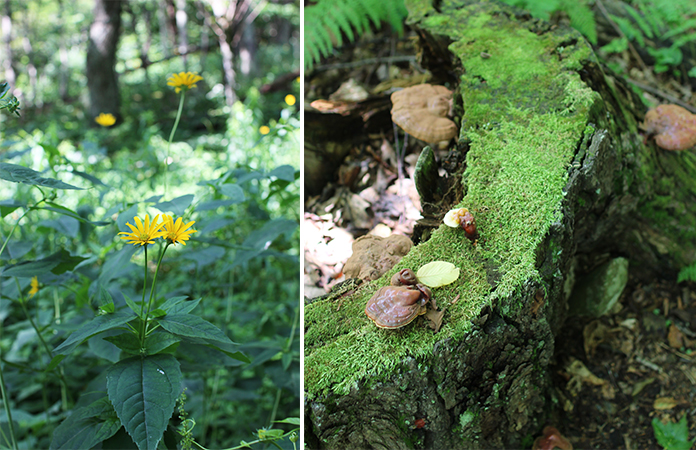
column 143, row 233
column 105, row 120
column 184, row 80
column 263, row 129
column 176, row 232
column 290, row 99
column 34, row 286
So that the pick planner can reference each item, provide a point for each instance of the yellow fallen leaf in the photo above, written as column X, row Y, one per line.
column 437, row 273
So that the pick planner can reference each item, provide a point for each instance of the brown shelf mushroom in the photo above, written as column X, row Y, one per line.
column 673, row 126
column 373, row 255
column 422, row 112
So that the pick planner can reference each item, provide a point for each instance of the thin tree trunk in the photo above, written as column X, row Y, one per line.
column 7, row 59
column 101, row 59
column 181, row 20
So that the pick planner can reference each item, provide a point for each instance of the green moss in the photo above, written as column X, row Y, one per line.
column 524, row 114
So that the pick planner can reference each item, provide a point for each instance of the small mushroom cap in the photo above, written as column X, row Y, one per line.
column 674, row 127
column 422, row 111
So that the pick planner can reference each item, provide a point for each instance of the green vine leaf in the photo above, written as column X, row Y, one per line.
column 437, row 273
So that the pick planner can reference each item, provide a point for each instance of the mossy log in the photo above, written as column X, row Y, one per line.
column 559, row 178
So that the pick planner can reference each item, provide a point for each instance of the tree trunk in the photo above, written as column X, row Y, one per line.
column 101, row 59
column 7, row 58
column 557, row 177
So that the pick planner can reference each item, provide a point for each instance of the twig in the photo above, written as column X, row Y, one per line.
column 664, row 95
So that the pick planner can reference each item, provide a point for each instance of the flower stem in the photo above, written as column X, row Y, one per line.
column 171, row 136
column 152, row 291
column 142, row 305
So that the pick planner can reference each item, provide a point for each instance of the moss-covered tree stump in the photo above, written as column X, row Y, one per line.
column 558, row 179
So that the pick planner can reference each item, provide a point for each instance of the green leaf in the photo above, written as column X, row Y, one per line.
column 177, row 206
column 54, row 362
column 97, row 325
column 21, row 174
column 290, row 420
column 159, row 342
column 672, row 436
column 233, row 191
column 269, row 232
column 57, row 264
column 55, row 207
column 8, row 206
column 86, row 426
column 285, row 172
column 133, row 306
column 437, row 273
column 104, row 302
column 183, row 307
column 127, row 342
column 144, row 392
column 193, row 326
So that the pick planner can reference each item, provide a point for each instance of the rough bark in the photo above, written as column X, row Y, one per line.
column 559, row 178
column 101, row 59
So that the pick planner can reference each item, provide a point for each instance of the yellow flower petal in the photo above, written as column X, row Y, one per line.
column 290, row 99
column 175, row 232
column 34, row 286
column 105, row 120
column 183, row 80
column 143, row 233
column 263, row 129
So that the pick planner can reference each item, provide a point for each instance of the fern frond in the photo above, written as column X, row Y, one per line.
column 328, row 21
column 581, row 18
column 687, row 273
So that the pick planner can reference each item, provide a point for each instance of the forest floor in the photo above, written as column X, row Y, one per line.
column 611, row 375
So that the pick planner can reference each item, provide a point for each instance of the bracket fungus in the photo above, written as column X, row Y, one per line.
column 673, row 126
column 422, row 111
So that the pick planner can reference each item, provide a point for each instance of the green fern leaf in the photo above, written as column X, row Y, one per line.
column 687, row 273
column 328, row 21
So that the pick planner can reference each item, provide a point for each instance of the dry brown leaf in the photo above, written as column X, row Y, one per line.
column 662, row 403
column 676, row 338
column 435, row 319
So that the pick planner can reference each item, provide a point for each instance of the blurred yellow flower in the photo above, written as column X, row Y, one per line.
column 143, row 233
column 105, row 120
column 176, row 232
column 34, row 286
column 183, row 80
column 290, row 99
column 263, row 129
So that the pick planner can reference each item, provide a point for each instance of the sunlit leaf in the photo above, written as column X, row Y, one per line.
column 96, row 326
column 21, row 174
column 437, row 273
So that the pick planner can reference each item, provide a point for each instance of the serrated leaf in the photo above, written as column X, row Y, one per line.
column 158, row 342
column 86, row 426
column 96, row 326
column 21, row 174
column 54, row 362
column 184, row 307
column 137, row 309
column 437, row 273
column 672, row 436
column 193, row 326
column 144, row 392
